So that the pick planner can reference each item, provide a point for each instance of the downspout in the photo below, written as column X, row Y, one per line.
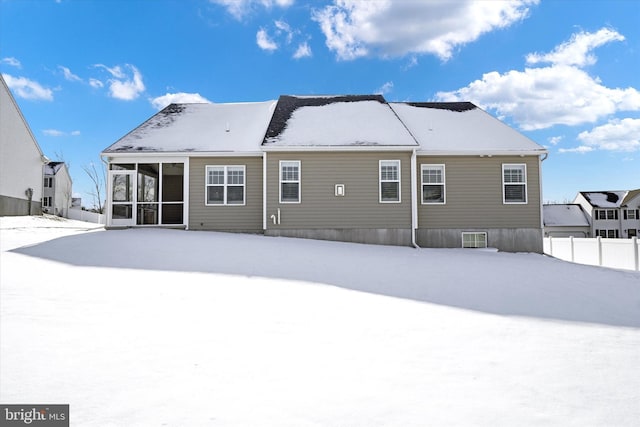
column 264, row 191
column 414, row 200
column 541, row 159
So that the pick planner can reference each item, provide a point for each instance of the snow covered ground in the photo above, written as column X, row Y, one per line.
column 169, row 328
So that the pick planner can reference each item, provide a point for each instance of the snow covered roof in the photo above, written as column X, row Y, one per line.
column 52, row 168
column 631, row 196
column 336, row 121
column 564, row 215
column 238, row 127
column 460, row 127
column 325, row 122
column 604, row 199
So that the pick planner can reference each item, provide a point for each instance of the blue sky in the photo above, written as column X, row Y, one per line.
column 564, row 73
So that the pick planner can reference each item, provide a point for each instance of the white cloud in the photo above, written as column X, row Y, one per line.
column 122, row 85
column 53, row 132
column 28, row 89
column 59, row 133
column 355, row 28
column 617, row 135
column 577, row 51
column 95, row 83
column 69, row 75
column 177, row 98
column 264, row 42
column 582, row 149
column 241, row 8
column 554, row 140
column 384, row 89
column 538, row 98
column 11, row 61
column 303, row 51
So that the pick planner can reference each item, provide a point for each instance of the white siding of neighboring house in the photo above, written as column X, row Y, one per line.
column 60, row 192
column 21, row 159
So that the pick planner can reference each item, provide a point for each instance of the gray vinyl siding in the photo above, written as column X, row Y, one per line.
column 319, row 208
column 474, row 194
column 247, row 218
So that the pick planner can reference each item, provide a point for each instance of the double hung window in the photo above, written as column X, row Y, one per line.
column 389, row 181
column 514, row 183
column 607, row 214
column 433, row 181
column 225, row 185
column 290, row 181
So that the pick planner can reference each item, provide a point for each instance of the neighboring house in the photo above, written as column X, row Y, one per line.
column 76, row 203
column 613, row 214
column 21, row 160
column 565, row 220
column 57, row 192
column 348, row 168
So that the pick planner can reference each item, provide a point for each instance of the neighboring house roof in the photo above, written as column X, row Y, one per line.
column 604, row 199
column 460, row 127
column 336, row 121
column 238, row 127
column 52, row 168
column 568, row 215
column 630, row 196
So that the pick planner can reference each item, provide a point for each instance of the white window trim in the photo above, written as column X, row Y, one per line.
column 526, row 193
column 444, row 183
column 47, row 202
column 225, row 185
column 486, row 243
column 299, row 182
column 48, row 180
column 399, row 181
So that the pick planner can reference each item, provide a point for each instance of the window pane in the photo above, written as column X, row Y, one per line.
column 215, row 194
column 433, row 193
column 235, row 176
column 388, row 172
column 172, row 182
column 147, row 214
column 122, row 166
column 215, row 176
column 121, row 212
column 122, row 188
column 432, row 176
column 148, row 182
column 172, row 213
column 289, row 172
column 514, row 193
column 290, row 192
column 389, row 191
column 514, row 174
column 235, row 195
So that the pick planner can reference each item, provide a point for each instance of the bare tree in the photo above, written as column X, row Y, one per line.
column 97, row 176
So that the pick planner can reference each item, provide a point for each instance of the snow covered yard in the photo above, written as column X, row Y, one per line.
column 166, row 328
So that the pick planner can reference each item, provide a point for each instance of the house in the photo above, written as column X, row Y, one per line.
column 565, row 220
column 613, row 214
column 348, row 167
column 57, row 192
column 21, row 160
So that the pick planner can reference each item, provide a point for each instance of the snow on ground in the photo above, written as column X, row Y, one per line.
column 166, row 327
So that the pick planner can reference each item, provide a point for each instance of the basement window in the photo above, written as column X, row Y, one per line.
column 474, row 240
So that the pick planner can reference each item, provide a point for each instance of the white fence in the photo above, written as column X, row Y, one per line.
column 613, row 253
column 80, row 215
